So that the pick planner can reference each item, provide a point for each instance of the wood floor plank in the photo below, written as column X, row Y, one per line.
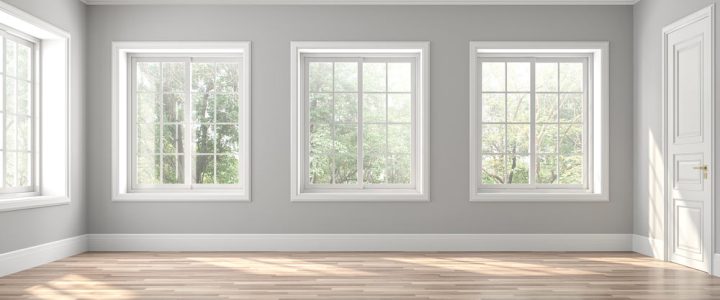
column 359, row 275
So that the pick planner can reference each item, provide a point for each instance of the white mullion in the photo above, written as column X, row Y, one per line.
column 162, row 121
column 387, row 127
column 557, row 141
column 188, row 150
column 533, row 137
column 505, row 157
column 214, row 125
column 479, row 122
column 4, row 76
column 333, row 124
column 360, row 136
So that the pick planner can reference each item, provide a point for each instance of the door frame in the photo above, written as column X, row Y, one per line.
column 707, row 12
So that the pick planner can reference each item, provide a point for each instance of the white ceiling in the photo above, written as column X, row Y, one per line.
column 362, row 2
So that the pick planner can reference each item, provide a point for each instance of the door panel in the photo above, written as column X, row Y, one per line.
column 688, row 94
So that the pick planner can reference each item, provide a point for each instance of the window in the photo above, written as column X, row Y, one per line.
column 538, row 124
column 34, row 140
column 18, row 143
column 360, row 119
column 188, row 119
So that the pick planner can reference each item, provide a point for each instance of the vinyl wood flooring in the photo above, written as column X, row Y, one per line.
column 362, row 275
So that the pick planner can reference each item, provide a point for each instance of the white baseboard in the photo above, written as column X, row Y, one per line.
column 18, row 260
column 359, row 242
column 648, row 246
column 716, row 265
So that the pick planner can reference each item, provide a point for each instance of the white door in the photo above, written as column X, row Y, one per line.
column 688, row 64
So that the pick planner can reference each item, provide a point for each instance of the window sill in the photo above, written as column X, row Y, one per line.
column 359, row 197
column 19, row 203
column 182, row 196
column 538, row 197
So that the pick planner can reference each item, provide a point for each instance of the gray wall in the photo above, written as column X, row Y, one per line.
column 30, row 227
column 271, row 28
column 650, row 16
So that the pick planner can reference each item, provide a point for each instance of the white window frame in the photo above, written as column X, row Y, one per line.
column 50, row 109
column 124, row 55
column 418, row 53
column 596, row 121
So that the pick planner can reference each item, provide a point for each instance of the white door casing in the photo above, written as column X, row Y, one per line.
column 688, row 95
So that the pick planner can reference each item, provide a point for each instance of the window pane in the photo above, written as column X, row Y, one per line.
column 203, row 77
column 571, row 77
column 546, row 77
column 345, row 169
column 493, row 169
column 493, row 77
column 10, row 95
column 346, row 77
column 493, row 107
column 547, row 169
column 24, row 165
column 10, row 169
column 399, row 108
column 226, row 77
column 320, row 169
column 227, row 169
column 228, row 139
column 346, row 140
column 172, row 138
column 228, row 108
column 518, row 169
column 173, row 169
column 24, row 133
column 24, row 59
column 571, row 139
column 518, row 139
column 399, row 138
column 148, row 106
column 546, row 138
column 148, row 138
column 148, row 77
column 518, row 108
column 571, row 168
column 374, row 108
column 173, row 77
column 399, row 77
column 374, row 168
column 24, row 100
column 204, row 169
column 374, row 77
column 203, row 108
column 546, row 108
column 518, row 77
column 320, row 77
column 321, row 107
column 571, row 108
column 10, row 132
column 11, row 58
column 346, row 108
column 321, row 141
column 204, row 138
column 400, row 169
column 173, row 107
column 148, row 169
column 493, row 138
column 374, row 138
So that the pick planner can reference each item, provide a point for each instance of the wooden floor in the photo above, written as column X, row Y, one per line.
column 375, row 275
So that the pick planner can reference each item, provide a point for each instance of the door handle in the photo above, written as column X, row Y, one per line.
column 703, row 168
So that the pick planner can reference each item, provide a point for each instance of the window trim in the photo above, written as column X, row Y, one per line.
column 379, row 193
column 52, row 135
column 123, row 53
column 597, row 129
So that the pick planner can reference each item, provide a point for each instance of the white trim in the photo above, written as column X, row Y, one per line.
column 707, row 12
column 420, row 190
column 360, row 2
column 359, row 242
column 32, row 202
column 120, row 59
column 716, row 265
column 26, row 258
column 598, row 114
column 648, row 246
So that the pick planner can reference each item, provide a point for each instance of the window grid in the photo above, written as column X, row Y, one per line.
column 360, row 182
column 533, row 151
column 187, row 125
column 12, row 119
